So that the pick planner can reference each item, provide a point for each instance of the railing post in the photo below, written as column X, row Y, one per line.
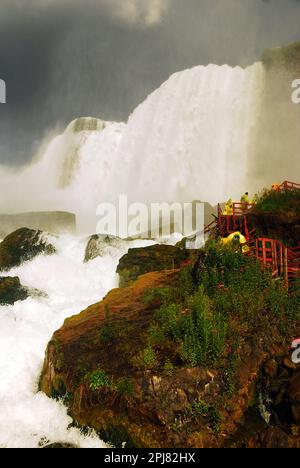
column 286, row 272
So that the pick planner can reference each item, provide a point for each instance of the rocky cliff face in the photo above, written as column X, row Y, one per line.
column 103, row 364
column 23, row 245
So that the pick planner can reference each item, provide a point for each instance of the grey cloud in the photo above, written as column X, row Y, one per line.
column 66, row 58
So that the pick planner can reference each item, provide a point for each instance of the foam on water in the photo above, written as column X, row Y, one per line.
column 27, row 416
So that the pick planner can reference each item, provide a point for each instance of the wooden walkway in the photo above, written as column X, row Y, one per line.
column 283, row 261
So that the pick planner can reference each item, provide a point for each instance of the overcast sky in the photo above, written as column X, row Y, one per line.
column 66, row 58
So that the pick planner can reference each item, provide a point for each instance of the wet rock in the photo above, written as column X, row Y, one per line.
column 21, row 246
column 154, row 258
column 60, row 445
column 12, row 291
column 274, row 438
column 99, row 245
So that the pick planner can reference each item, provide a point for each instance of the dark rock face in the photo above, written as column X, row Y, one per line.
column 99, row 245
column 12, row 291
column 154, row 258
column 293, row 394
column 54, row 221
column 21, row 246
column 59, row 445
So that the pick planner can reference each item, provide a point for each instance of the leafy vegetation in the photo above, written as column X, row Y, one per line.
column 194, row 321
column 98, row 380
column 283, row 202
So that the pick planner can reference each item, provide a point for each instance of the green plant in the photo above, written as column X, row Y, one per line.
column 205, row 334
column 198, row 409
column 168, row 318
column 272, row 201
column 149, row 357
column 125, row 387
column 98, row 379
column 230, row 371
column 169, row 368
column 155, row 335
column 215, row 419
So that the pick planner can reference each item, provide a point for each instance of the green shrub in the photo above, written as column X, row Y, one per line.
column 98, row 379
column 271, row 201
column 169, row 369
column 149, row 357
column 125, row 387
column 168, row 318
column 198, row 409
column 155, row 335
column 205, row 335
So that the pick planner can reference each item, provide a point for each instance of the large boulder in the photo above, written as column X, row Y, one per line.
column 101, row 364
column 21, row 246
column 99, row 245
column 154, row 258
column 12, row 291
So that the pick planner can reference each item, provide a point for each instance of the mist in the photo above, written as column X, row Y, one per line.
column 64, row 59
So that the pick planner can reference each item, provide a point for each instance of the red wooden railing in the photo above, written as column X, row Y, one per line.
column 283, row 261
column 287, row 185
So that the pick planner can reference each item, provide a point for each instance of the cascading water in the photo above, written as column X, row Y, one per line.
column 27, row 417
column 191, row 139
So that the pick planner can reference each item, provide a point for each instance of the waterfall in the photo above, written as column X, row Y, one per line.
column 191, row 139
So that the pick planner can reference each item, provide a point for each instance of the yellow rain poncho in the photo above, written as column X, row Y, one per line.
column 228, row 208
column 237, row 236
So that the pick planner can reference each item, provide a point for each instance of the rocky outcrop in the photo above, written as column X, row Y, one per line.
column 280, row 390
column 154, row 258
column 12, row 291
column 99, row 245
column 54, row 221
column 21, row 246
column 99, row 363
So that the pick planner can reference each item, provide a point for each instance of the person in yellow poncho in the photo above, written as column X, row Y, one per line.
column 237, row 237
column 245, row 201
column 228, row 208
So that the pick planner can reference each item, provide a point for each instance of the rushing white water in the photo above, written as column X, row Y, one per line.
column 191, row 139
column 28, row 417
